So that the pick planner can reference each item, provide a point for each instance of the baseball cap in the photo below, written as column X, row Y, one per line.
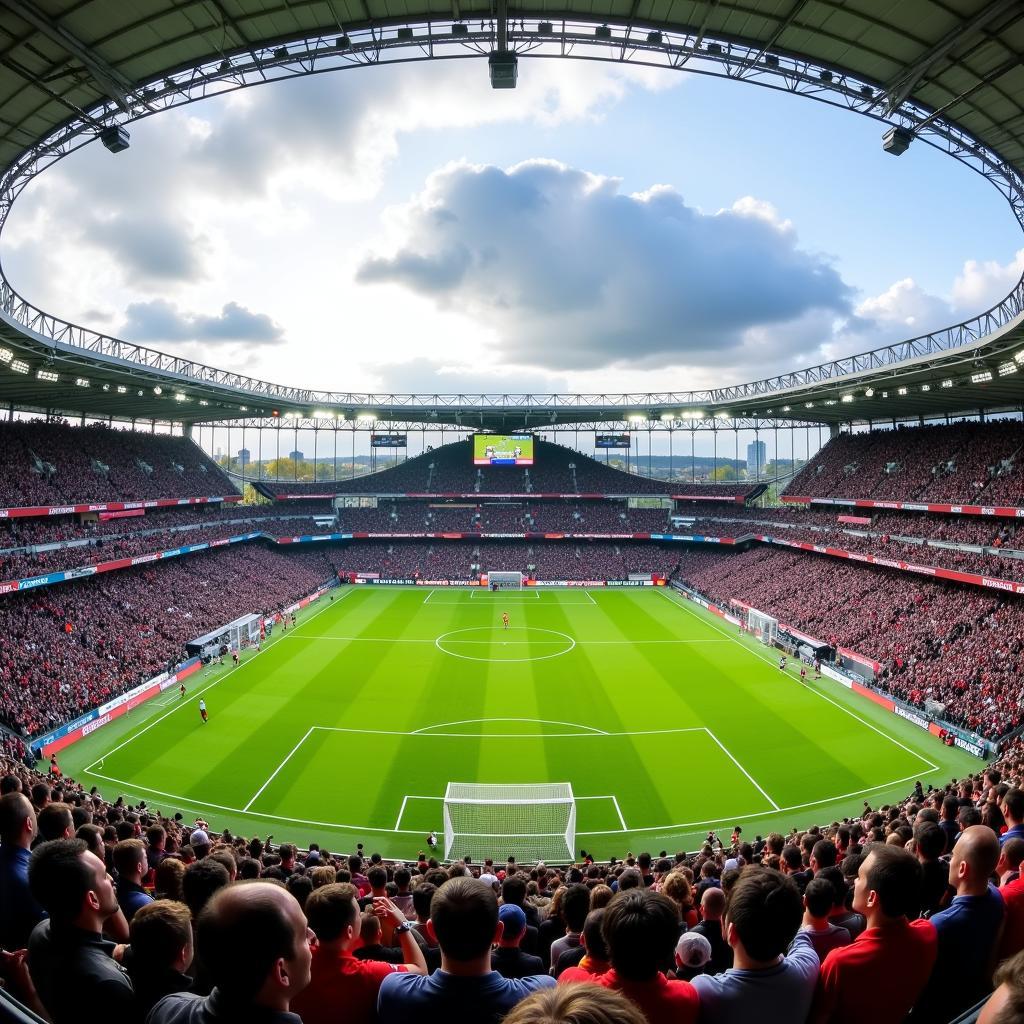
column 514, row 920
column 693, row 949
column 198, row 838
column 488, row 878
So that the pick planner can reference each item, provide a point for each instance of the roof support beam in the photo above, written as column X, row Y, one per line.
column 902, row 85
column 108, row 78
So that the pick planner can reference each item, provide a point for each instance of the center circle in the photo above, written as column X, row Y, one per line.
column 496, row 644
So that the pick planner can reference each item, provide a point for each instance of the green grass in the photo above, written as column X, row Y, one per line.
column 665, row 722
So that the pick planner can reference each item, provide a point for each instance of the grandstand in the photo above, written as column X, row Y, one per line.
column 520, row 659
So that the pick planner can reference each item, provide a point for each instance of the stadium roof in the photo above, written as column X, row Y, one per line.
column 947, row 74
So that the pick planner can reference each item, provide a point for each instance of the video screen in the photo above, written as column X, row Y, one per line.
column 502, row 449
column 612, row 440
column 389, row 440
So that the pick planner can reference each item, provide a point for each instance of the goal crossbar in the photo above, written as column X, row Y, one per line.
column 528, row 821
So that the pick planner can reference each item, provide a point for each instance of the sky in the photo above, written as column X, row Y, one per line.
column 600, row 229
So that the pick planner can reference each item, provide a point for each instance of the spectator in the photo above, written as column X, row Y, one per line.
column 576, row 1004
column 254, row 943
column 712, row 906
column 508, row 959
column 595, row 960
column 824, row 936
column 19, row 911
column 160, row 953
column 640, row 929
column 71, row 964
column 131, row 866
column 1012, row 806
column 338, row 978
column 766, row 982
column 1006, row 1004
column 929, row 842
column 967, row 929
column 693, row 954
column 894, row 954
column 575, row 906
column 464, row 920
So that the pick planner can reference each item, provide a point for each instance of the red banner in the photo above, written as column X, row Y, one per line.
column 109, row 506
column 1008, row 511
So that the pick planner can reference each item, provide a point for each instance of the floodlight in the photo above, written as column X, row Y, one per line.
column 896, row 140
column 847, row 398
column 180, row 396
column 158, row 390
column 122, row 390
column 926, row 387
column 981, row 378
column 947, row 383
column 115, row 138
column 667, row 417
column 1018, row 355
column 901, row 391
column 869, row 392
column 6, row 355
column 20, row 366
column 48, row 375
column 1005, row 369
column 503, row 67
column 82, row 382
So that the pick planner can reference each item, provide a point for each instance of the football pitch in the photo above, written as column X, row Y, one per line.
column 664, row 720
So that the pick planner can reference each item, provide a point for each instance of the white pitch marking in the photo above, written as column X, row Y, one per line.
column 278, row 768
column 756, row 785
column 683, row 603
column 230, row 674
column 535, row 721
column 622, row 820
column 401, row 811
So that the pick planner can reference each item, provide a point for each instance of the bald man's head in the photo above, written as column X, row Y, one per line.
column 974, row 859
column 252, row 940
column 17, row 820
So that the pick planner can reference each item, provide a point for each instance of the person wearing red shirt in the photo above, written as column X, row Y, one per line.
column 595, row 959
column 893, row 954
column 338, row 978
column 1011, row 856
column 641, row 928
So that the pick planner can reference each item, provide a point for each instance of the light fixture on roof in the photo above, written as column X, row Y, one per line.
column 106, row 387
column 926, row 387
column 180, row 396
column 847, row 398
column 983, row 377
column 787, row 408
column 158, row 390
column 808, row 405
column 203, row 401
column 115, row 138
column 20, row 366
column 724, row 415
column 322, row 414
column 947, row 383
column 901, row 391
column 122, row 390
column 1018, row 355
column 667, row 417
column 637, row 418
column 869, row 392
column 82, row 382
column 896, row 140
column 6, row 355
column 48, row 375
column 1005, row 369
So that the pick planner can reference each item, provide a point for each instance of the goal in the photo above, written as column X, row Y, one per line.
column 764, row 627
column 505, row 580
column 530, row 822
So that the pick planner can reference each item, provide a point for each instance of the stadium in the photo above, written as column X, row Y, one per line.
column 594, row 675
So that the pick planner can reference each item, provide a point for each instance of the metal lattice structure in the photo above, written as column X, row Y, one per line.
column 952, row 80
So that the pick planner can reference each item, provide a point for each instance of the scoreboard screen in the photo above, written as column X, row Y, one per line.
column 612, row 441
column 502, row 449
column 389, row 440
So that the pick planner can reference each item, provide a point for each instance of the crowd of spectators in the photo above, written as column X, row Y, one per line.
column 67, row 648
column 115, row 910
column 959, row 646
column 56, row 464
column 20, row 564
column 583, row 516
column 467, row 560
column 556, row 470
column 960, row 462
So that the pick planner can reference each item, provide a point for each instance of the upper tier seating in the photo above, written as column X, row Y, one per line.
column 57, row 464
column 962, row 462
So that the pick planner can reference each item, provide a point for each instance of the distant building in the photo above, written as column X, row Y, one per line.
column 757, row 457
column 296, row 456
column 244, row 456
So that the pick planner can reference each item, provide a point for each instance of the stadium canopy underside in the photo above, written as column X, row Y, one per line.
column 949, row 75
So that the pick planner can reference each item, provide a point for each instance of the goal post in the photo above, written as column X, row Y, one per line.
column 530, row 821
column 505, row 580
column 764, row 627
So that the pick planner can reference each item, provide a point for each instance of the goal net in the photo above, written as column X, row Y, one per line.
column 764, row 627
column 530, row 822
column 505, row 580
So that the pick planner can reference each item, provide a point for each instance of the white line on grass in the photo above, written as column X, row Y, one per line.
column 757, row 786
column 622, row 820
column 419, row 640
column 534, row 721
column 226, row 675
column 683, row 603
column 401, row 811
column 429, row 596
column 590, row 596
column 278, row 768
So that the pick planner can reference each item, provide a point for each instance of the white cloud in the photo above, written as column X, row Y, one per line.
column 982, row 283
